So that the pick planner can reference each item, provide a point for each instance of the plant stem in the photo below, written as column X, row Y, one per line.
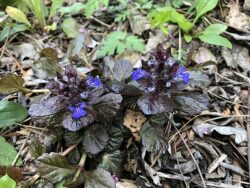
column 81, row 165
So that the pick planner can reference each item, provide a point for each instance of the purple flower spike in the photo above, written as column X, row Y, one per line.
column 182, row 74
column 94, row 82
column 138, row 74
column 78, row 111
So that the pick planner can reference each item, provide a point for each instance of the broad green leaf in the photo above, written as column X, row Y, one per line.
column 11, row 84
column 98, row 178
column 7, row 182
column 7, row 153
column 215, row 40
column 74, row 9
column 70, row 27
column 9, row 31
column 112, row 162
column 60, row 185
column 38, row 9
column 2, row 13
column 51, row 27
column 203, row 6
column 188, row 38
column 93, row 5
column 11, row 113
column 56, row 4
column 17, row 15
column 54, row 167
column 215, row 29
column 119, row 42
column 159, row 17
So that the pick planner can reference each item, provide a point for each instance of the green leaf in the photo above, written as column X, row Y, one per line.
column 11, row 113
column 11, row 30
column 7, row 182
column 159, row 17
column 74, row 9
column 188, row 38
column 56, row 4
column 70, row 27
column 95, row 139
column 119, row 42
column 215, row 29
column 38, row 9
column 60, row 185
column 54, row 167
column 7, row 154
column 93, row 5
column 11, row 84
column 17, row 15
column 112, row 162
column 203, row 6
column 215, row 40
column 98, row 178
column 153, row 138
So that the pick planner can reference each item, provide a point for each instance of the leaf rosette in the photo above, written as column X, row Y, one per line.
column 78, row 101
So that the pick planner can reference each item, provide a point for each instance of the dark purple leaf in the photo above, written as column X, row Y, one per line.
column 153, row 138
column 95, row 139
column 54, row 167
column 36, row 148
column 190, row 103
column 155, row 104
column 75, row 125
column 98, row 178
column 115, row 138
column 107, row 106
column 122, row 70
column 112, row 162
column 48, row 106
column 73, row 137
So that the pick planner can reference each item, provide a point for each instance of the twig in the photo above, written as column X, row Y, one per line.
column 233, row 168
column 171, row 176
column 248, row 132
column 179, row 51
column 21, row 149
column 68, row 150
column 101, row 22
column 192, row 156
column 40, row 91
column 216, row 163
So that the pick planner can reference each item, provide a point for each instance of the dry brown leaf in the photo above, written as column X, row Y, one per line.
column 238, row 113
column 237, row 19
column 123, row 183
column 133, row 57
column 133, row 121
column 203, row 55
column 237, row 56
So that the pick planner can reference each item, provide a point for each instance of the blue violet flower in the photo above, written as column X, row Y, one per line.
column 93, row 81
column 138, row 74
column 182, row 74
column 78, row 111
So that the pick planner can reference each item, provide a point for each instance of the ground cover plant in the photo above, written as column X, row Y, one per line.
column 119, row 93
